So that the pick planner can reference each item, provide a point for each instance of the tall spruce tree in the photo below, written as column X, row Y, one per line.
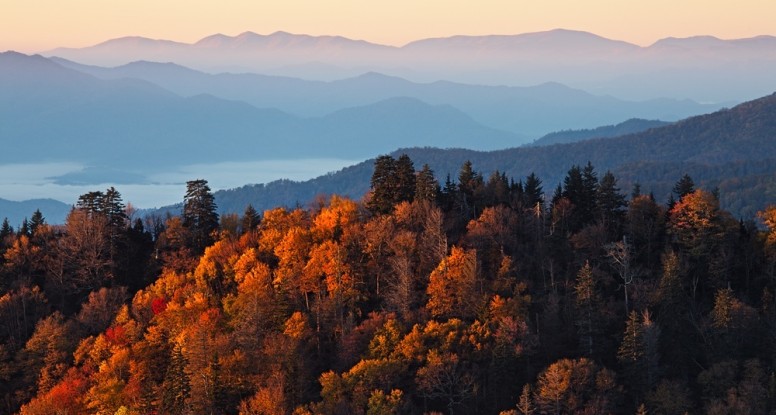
column 36, row 220
column 383, row 185
column 250, row 219
column 426, row 185
column 199, row 214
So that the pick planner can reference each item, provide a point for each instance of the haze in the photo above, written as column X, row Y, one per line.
column 45, row 24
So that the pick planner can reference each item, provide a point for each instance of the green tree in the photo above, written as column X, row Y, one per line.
column 175, row 388
column 405, row 180
column 36, row 221
column 533, row 192
column 683, row 187
column 199, row 214
column 5, row 230
column 250, row 219
column 426, row 185
column 611, row 205
column 383, row 184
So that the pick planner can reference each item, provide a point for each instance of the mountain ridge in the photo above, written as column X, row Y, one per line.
column 743, row 133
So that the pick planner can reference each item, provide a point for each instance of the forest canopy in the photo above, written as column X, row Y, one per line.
column 479, row 293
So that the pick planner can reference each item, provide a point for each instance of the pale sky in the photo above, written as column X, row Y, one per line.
column 38, row 25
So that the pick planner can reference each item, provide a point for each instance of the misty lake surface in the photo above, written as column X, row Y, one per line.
column 153, row 189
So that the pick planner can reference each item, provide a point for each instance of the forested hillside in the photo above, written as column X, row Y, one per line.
column 732, row 150
column 484, row 293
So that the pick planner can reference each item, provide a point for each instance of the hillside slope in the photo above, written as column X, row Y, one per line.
column 731, row 149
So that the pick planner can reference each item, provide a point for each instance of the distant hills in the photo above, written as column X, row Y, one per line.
column 631, row 126
column 701, row 68
column 55, row 113
column 53, row 211
column 529, row 112
column 731, row 149
column 129, row 126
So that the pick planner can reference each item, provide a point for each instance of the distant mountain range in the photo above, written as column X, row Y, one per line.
column 55, row 113
column 130, row 126
column 528, row 112
column 702, row 68
column 53, row 211
column 732, row 150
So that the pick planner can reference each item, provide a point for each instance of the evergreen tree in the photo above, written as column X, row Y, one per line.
column 426, row 186
column 5, row 230
column 250, row 219
column 112, row 206
column 24, row 229
column 383, row 185
column 90, row 202
column 176, row 387
column 405, row 180
column 199, row 213
column 611, row 205
column 533, row 191
column 36, row 221
column 684, row 186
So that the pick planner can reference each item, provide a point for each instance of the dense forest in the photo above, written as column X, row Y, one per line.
column 473, row 294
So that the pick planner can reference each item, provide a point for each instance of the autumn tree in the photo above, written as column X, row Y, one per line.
column 588, row 308
column 452, row 286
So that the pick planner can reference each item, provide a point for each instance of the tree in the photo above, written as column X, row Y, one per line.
column 451, row 289
column 444, row 377
column 564, row 386
column 5, row 231
column 36, row 221
column 525, row 405
column 199, row 213
column 405, row 180
column 250, row 219
column 426, row 185
column 620, row 256
column 588, row 304
column 610, row 205
column 175, row 389
column 383, row 184
column 533, row 192
column 683, row 187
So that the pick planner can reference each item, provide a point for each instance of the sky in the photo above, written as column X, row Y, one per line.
column 39, row 25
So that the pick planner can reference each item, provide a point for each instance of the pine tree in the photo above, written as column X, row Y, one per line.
column 5, row 230
column 405, row 180
column 24, row 229
column 199, row 213
column 250, row 219
column 175, row 388
column 684, row 186
column 611, row 205
column 426, row 186
column 383, row 184
column 36, row 220
column 113, row 207
column 533, row 191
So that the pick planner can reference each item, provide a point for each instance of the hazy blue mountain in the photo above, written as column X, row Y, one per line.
column 631, row 126
column 53, row 211
column 703, row 68
column 526, row 111
column 52, row 113
column 729, row 149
